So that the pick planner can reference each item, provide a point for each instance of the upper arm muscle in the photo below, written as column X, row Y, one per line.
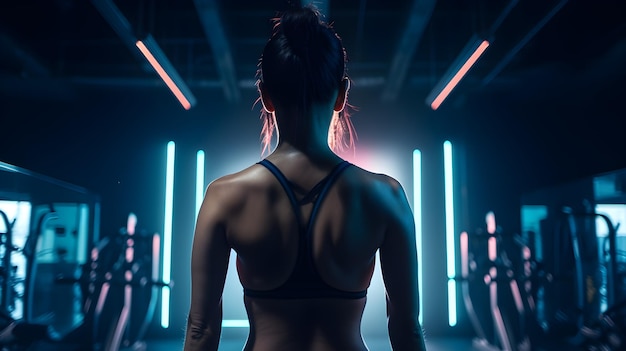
column 399, row 258
column 209, row 264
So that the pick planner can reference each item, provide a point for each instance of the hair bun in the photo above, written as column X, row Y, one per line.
column 300, row 26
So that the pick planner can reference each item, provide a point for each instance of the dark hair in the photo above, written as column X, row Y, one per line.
column 303, row 63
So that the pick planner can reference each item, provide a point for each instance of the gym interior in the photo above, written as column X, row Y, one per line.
column 503, row 120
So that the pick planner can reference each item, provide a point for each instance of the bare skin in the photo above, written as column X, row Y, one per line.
column 250, row 213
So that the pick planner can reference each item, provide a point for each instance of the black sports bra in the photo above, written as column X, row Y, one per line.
column 305, row 281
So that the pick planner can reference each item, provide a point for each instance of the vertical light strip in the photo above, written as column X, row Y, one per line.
column 83, row 233
column 161, row 72
column 167, row 235
column 451, row 256
column 235, row 323
column 492, row 249
column 451, row 302
column 459, row 75
column 490, row 220
column 417, row 215
column 165, row 307
column 199, row 180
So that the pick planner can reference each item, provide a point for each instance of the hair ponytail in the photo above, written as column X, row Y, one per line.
column 300, row 27
column 304, row 62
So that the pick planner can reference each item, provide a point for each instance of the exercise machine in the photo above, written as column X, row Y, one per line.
column 119, row 286
column 16, row 334
column 122, row 287
column 567, row 289
column 488, row 277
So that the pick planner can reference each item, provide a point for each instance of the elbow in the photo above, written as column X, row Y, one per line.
column 405, row 325
column 198, row 331
column 200, row 335
column 406, row 333
column 399, row 317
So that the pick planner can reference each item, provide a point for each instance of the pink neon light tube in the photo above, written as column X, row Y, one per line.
column 166, row 78
column 459, row 75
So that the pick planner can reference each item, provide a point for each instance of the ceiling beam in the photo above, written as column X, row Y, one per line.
column 214, row 31
column 244, row 84
column 120, row 25
column 24, row 63
column 419, row 16
column 147, row 49
column 527, row 38
column 322, row 5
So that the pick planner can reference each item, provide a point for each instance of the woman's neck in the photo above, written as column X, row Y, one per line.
column 315, row 153
column 306, row 134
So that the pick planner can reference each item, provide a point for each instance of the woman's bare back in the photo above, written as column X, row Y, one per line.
column 255, row 217
column 346, row 234
column 310, row 324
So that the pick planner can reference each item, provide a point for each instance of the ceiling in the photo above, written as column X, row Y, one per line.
column 392, row 45
column 544, row 115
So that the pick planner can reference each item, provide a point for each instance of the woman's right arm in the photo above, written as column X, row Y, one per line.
column 209, row 263
column 398, row 258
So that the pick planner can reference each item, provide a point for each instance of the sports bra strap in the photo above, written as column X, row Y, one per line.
column 285, row 184
column 305, row 281
column 326, row 184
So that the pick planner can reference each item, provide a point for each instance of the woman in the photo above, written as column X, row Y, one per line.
column 305, row 224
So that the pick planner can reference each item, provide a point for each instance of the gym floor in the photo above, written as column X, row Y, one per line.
column 447, row 344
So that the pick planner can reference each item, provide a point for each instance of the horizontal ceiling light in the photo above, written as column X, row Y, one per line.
column 152, row 52
column 470, row 54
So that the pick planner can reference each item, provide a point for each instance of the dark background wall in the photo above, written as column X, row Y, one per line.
column 112, row 141
column 76, row 105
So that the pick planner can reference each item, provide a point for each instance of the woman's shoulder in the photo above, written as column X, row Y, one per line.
column 376, row 182
column 383, row 194
column 246, row 176
column 233, row 188
column 379, row 190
